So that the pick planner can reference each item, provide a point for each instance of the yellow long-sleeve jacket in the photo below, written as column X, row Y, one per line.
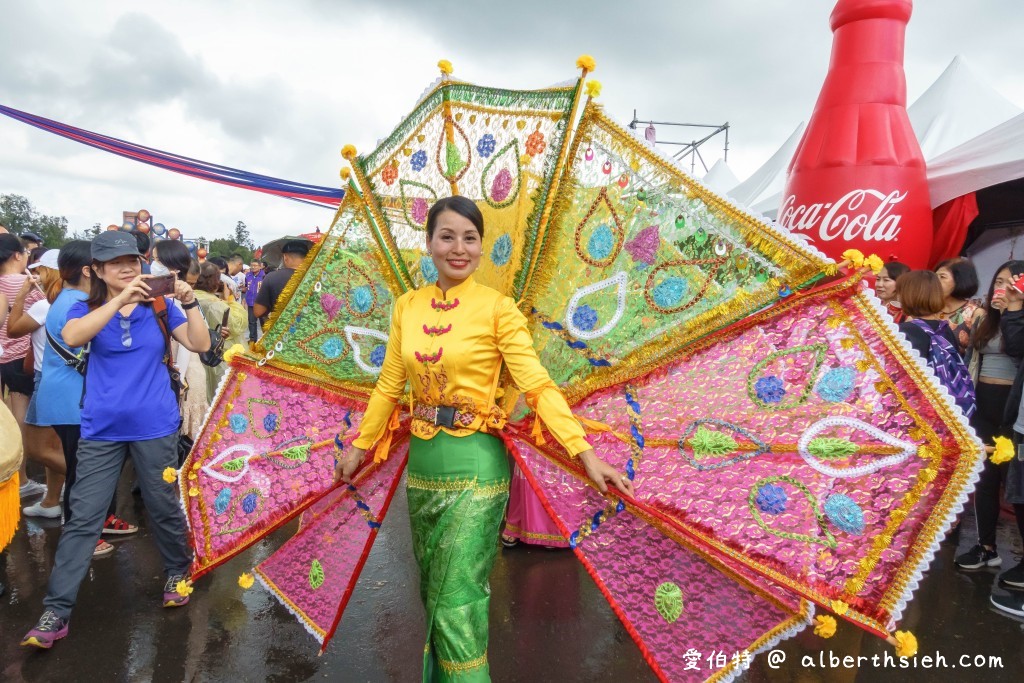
column 450, row 348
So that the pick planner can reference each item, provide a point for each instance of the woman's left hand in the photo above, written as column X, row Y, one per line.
column 601, row 473
column 182, row 292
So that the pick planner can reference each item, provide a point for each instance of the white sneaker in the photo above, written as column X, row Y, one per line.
column 39, row 510
column 31, row 488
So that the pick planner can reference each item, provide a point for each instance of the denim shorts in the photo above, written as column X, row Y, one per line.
column 30, row 416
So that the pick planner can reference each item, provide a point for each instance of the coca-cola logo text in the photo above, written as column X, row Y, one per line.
column 845, row 219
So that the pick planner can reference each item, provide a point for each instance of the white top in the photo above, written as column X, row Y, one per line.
column 37, row 312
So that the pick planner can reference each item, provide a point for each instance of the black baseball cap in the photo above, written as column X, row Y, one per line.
column 108, row 245
column 30, row 236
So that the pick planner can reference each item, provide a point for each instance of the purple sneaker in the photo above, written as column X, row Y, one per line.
column 174, row 598
column 49, row 629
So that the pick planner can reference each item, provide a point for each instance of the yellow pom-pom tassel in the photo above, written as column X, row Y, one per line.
column 170, row 475
column 345, row 173
column 839, row 607
column 245, row 581
column 445, row 66
column 906, row 644
column 593, row 88
column 233, row 351
column 1003, row 452
column 193, row 492
column 184, row 588
column 824, row 626
column 854, row 256
column 586, row 62
column 874, row 263
column 348, row 152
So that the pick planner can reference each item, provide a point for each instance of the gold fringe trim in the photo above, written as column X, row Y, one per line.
column 10, row 509
column 451, row 667
column 457, row 486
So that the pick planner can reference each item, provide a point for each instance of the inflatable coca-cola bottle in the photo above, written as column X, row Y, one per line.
column 857, row 179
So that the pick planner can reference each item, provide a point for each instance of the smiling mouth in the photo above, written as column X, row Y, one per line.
column 458, row 264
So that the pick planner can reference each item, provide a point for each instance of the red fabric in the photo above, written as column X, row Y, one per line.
column 950, row 222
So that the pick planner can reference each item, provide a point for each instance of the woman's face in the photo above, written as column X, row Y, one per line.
column 118, row 273
column 885, row 286
column 946, row 280
column 455, row 247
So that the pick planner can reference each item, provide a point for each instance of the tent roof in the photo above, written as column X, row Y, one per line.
column 955, row 108
column 994, row 157
column 720, row 178
column 769, row 180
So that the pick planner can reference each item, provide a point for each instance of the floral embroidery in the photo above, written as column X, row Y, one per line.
column 428, row 269
column 239, row 423
column 535, row 143
column 419, row 210
column 584, row 318
column 842, row 511
column 601, row 243
column 428, row 357
column 670, row 292
column 362, row 299
column 502, row 250
column 418, row 160
column 668, row 600
column 436, row 331
column 837, row 384
column 390, row 174
column 443, row 305
column 377, row 355
column 771, row 498
column 501, row 187
column 221, row 502
column 270, row 422
column 485, row 146
column 644, row 247
column 769, row 389
column 332, row 348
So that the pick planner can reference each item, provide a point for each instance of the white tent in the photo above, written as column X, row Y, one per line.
column 971, row 137
column 993, row 157
column 955, row 108
column 720, row 178
column 762, row 191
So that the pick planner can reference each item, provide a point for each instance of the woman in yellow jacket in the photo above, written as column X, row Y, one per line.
column 449, row 340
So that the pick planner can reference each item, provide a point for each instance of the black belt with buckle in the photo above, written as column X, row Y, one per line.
column 443, row 416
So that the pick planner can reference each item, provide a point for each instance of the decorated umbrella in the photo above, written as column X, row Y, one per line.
column 790, row 453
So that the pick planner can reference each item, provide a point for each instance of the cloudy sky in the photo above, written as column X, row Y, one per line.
column 278, row 87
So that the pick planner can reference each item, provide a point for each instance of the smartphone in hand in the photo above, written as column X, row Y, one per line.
column 162, row 285
column 1018, row 285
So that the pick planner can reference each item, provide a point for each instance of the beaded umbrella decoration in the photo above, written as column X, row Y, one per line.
column 789, row 451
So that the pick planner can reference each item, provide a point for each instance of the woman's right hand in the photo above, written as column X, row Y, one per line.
column 347, row 465
column 135, row 292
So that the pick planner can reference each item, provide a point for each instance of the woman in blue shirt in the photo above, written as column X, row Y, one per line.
column 129, row 408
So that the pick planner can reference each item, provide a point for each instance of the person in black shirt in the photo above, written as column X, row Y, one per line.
column 293, row 253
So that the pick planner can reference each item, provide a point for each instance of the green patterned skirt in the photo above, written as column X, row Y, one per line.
column 458, row 489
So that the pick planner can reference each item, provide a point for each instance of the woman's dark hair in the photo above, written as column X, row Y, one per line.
column 219, row 262
column 142, row 240
column 10, row 246
column 74, row 256
column 209, row 278
column 174, row 255
column 989, row 326
column 36, row 254
column 965, row 277
column 466, row 208
column 98, row 288
column 920, row 293
column 193, row 268
column 894, row 269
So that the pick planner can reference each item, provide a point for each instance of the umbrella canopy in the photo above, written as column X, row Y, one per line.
column 272, row 250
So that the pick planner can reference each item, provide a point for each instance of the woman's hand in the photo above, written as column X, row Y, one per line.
column 347, row 465
column 136, row 291
column 601, row 473
column 31, row 280
column 183, row 293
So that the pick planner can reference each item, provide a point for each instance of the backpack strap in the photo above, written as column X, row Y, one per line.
column 160, row 311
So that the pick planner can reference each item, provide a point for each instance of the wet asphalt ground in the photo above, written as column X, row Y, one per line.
column 548, row 621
